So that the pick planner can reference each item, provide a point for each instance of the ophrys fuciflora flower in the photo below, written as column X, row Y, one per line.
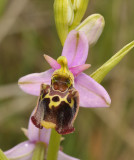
column 64, row 87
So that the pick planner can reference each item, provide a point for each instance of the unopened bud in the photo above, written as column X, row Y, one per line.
column 64, row 15
column 79, row 7
column 93, row 27
column 76, row 4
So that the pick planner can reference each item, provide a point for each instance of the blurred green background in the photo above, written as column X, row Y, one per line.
column 27, row 31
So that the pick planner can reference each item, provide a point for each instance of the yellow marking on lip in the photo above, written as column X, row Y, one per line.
column 56, row 104
column 48, row 124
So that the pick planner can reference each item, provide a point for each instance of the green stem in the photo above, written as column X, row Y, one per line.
column 54, row 145
column 39, row 151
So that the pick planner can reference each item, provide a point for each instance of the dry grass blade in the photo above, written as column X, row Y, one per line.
column 10, row 17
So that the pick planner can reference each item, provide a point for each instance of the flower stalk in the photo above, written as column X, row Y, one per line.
column 39, row 151
column 54, row 145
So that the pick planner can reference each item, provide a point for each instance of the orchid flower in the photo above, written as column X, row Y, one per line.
column 25, row 150
column 87, row 92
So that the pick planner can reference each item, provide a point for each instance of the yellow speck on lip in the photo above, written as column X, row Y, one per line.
column 48, row 124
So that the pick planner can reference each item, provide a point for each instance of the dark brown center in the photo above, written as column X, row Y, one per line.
column 55, row 99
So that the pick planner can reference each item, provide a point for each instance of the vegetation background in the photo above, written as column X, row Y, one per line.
column 27, row 31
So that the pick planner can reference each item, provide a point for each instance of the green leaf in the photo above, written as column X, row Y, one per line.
column 39, row 151
column 2, row 156
column 101, row 72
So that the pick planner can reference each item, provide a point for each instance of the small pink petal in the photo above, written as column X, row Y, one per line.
column 31, row 83
column 35, row 134
column 75, row 48
column 22, row 151
column 63, row 156
column 52, row 62
column 78, row 69
column 25, row 131
column 92, row 94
